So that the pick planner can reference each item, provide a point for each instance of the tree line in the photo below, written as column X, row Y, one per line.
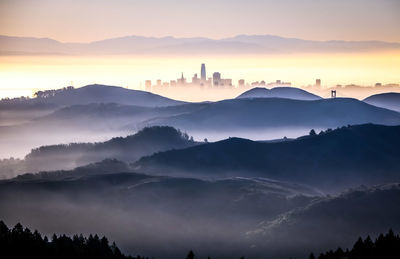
column 384, row 247
column 20, row 242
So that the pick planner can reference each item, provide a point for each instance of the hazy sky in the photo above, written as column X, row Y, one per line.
column 88, row 20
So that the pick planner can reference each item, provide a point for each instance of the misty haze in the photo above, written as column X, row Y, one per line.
column 199, row 130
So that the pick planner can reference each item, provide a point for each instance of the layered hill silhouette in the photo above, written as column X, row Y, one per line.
column 279, row 92
column 103, row 94
column 249, row 44
column 129, row 149
column 386, row 100
column 22, row 110
column 359, row 212
column 145, row 213
column 263, row 113
column 330, row 160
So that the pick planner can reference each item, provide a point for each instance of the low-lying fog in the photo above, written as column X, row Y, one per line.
column 18, row 144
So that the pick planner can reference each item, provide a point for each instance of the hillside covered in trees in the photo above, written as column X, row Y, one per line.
column 385, row 246
column 147, row 141
column 333, row 159
column 20, row 242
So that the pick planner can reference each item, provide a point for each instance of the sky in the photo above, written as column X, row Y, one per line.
column 91, row 20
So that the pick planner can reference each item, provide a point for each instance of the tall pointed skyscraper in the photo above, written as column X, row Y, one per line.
column 203, row 72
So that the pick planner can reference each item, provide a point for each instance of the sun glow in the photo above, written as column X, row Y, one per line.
column 23, row 75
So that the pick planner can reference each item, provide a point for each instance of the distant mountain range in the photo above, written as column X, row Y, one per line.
column 241, row 44
column 279, row 92
column 330, row 160
column 386, row 100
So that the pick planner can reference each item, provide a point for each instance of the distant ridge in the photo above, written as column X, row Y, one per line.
column 386, row 100
column 279, row 92
column 241, row 44
column 97, row 93
column 263, row 113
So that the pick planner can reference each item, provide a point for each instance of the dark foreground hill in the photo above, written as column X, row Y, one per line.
column 161, row 216
column 332, row 159
column 384, row 246
column 20, row 242
column 167, row 216
column 336, row 221
column 279, row 92
column 387, row 100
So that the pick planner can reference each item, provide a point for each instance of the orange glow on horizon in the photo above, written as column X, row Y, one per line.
column 21, row 75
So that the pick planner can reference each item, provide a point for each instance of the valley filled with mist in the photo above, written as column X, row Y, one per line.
column 270, row 173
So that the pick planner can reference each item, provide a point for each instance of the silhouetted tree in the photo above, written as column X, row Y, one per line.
column 385, row 246
column 190, row 255
column 312, row 132
column 22, row 243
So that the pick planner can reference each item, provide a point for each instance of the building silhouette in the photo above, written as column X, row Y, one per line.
column 182, row 80
column 318, row 83
column 147, row 85
column 203, row 75
column 216, row 78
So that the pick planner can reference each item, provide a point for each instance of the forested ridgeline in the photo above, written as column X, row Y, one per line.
column 384, row 247
column 20, row 242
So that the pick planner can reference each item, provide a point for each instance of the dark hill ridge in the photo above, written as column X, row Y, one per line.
column 360, row 211
column 264, row 113
column 386, row 100
column 129, row 149
column 108, row 94
column 279, row 92
column 334, row 159
column 140, row 212
column 119, row 114
column 89, row 94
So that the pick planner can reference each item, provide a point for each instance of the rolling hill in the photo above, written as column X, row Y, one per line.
column 279, row 92
column 105, row 94
column 129, row 149
column 145, row 214
column 386, row 100
column 340, row 219
column 332, row 160
column 274, row 113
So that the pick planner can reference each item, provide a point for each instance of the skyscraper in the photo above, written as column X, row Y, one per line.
column 203, row 72
column 181, row 81
column 318, row 83
column 216, row 78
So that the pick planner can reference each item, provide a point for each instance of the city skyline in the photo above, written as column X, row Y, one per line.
column 327, row 40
